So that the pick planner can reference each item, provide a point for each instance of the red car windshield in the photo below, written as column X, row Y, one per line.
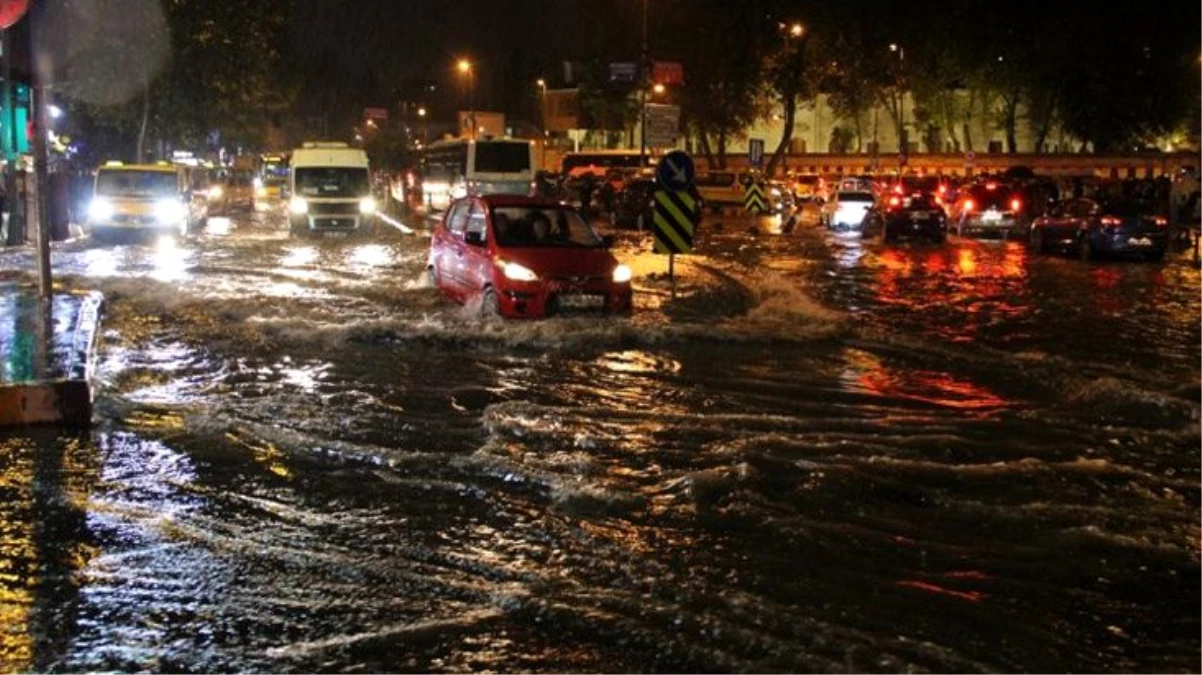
column 542, row 227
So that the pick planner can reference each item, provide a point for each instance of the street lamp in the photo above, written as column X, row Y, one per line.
column 421, row 113
column 901, row 105
column 659, row 88
column 796, row 30
column 465, row 66
column 542, row 118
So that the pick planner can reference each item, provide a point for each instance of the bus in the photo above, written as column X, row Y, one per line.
column 457, row 167
column 270, row 179
column 598, row 162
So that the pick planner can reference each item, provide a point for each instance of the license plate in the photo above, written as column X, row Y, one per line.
column 1139, row 241
column 581, row 301
column 991, row 216
column 334, row 235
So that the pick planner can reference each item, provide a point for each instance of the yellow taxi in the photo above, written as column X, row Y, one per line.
column 144, row 197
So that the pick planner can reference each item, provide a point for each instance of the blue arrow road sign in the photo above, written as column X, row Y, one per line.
column 676, row 171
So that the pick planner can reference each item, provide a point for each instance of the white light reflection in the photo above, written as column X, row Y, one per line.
column 170, row 260
column 371, row 255
column 300, row 256
column 219, row 226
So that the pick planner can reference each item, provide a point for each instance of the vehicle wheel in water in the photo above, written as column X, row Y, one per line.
column 489, row 307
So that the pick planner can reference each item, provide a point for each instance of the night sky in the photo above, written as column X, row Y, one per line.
column 397, row 45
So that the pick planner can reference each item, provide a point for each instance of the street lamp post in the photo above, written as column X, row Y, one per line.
column 465, row 66
column 421, row 113
column 903, row 145
column 542, row 118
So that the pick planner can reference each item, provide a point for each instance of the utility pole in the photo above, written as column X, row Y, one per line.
column 644, row 81
column 40, row 186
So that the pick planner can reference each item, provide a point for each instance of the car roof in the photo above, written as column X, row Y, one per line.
column 520, row 200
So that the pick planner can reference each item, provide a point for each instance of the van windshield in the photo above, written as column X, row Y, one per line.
column 137, row 183
column 502, row 157
column 332, row 181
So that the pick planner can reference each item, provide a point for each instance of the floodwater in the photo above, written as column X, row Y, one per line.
column 822, row 454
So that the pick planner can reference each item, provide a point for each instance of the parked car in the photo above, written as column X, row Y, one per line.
column 915, row 216
column 1091, row 229
column 846, row 211
column 525, row 257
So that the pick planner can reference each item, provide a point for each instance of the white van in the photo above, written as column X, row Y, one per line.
column 455, row 168
column 329, row 188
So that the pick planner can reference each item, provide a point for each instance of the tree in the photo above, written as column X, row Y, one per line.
column 789, row 78
column 200, row 66
column 723, row 89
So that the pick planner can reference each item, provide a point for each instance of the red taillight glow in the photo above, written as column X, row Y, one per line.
column 894, row 202
column 1160, row 222
column 942, row 189
column 991, row 186
column 969, row 206
column 897, row 189
column 1111, row 221
column 1016, row 205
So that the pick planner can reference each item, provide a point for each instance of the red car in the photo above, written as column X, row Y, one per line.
column 525, row 257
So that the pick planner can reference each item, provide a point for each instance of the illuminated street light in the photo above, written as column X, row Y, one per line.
column 55, row 111
column 903, row 146
column 796, row 30
column 465, row 66
column 659, row 88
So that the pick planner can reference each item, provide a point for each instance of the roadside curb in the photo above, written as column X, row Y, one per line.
column 67, row 397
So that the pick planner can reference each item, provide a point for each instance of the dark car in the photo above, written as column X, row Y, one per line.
column 915, row 216
column 1092, row 228
column 525, row 257
column 990, row 209
column 634, row 205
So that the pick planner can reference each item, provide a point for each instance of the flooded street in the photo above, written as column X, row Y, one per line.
column 823, row 454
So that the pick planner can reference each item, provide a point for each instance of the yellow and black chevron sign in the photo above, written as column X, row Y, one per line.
column 677, row 213
column 753, row 199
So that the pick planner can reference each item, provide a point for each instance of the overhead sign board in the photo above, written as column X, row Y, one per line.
column 667, row 72
column 663, row 125
column 375, row 113
column 623, row 72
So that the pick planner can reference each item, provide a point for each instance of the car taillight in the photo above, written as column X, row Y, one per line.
column 1160, row 222
column 991, row 186
column 897, row 189
column 969, row 206
column 1111, row 221
column 894, row 202
column 1015, row 204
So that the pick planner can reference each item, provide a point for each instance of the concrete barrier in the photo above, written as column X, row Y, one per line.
column 47, row 365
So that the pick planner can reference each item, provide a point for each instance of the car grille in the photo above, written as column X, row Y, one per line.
column 318, row 209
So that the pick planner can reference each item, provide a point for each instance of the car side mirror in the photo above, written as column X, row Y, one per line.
column 474, row 238
column 608, row 241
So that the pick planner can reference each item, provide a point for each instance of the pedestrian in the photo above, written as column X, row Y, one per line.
column 587, row 186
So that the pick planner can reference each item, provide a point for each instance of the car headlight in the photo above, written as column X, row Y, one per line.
column 516, row 272
column 169, row 210
column 367, row 206
column 622, row 274
column 215, row 192
column 298, row 206
column 100, row 209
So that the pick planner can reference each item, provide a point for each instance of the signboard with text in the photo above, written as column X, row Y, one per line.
column 663, row 125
